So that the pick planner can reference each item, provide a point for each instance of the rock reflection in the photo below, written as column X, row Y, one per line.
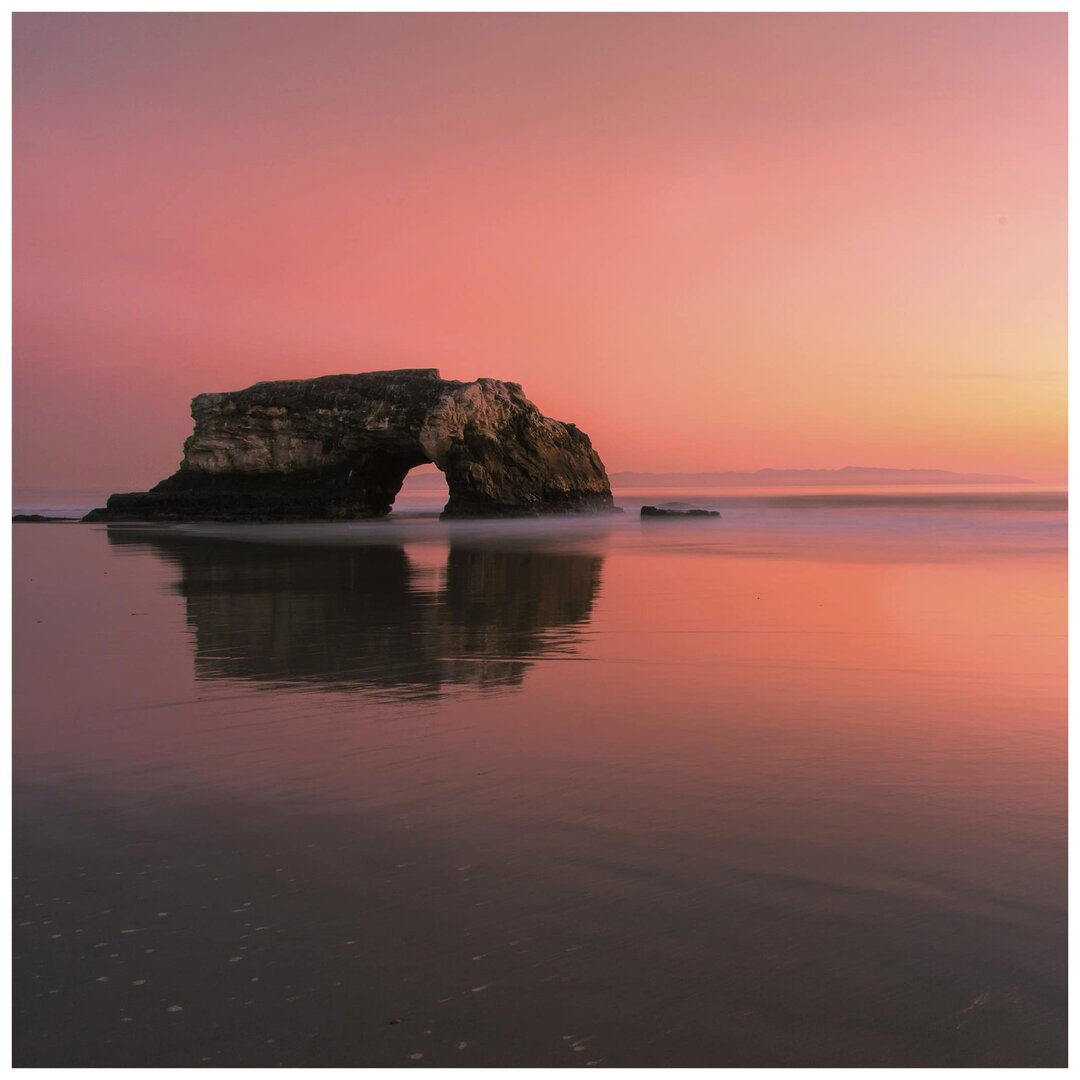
column 370, row 616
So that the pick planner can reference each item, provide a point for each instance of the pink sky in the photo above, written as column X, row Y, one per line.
column 712, row 241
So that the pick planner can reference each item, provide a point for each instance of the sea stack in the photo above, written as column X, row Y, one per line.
column 339, row 447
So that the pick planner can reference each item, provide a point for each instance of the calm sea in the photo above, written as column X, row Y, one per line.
column 786, row 788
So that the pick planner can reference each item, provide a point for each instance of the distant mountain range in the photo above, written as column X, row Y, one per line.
column 849, row 475
column 428, row 478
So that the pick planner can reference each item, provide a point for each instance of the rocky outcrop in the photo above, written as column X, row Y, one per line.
column 650, row 512
column 339, row 447
column 38, row 519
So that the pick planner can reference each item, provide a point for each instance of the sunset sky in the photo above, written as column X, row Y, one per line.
column 712, row 241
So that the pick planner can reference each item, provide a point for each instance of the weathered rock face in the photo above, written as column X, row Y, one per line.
column 340, row 447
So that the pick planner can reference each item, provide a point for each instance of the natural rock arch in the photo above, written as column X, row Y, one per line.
column 340, row 446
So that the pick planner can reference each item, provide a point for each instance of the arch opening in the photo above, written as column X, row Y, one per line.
column 423, row 491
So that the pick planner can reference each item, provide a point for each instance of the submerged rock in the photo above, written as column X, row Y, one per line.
column 660, row 512
column 339, row 447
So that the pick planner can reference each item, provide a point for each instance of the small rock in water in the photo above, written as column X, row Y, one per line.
column 658, row 512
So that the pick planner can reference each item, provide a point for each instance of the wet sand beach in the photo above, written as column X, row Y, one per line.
column 786, row 788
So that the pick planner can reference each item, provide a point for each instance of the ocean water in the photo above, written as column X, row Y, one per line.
column 783, row 788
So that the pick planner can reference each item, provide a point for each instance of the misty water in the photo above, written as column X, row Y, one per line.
column 782, row 788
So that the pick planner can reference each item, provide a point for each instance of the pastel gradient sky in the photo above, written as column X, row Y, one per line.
column 712, row 241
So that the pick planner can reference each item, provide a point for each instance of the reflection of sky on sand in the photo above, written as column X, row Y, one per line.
column 627, row 638
column 788, row 788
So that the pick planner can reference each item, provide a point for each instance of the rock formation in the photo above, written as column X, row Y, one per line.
column 339, row 447
column 650, row 512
